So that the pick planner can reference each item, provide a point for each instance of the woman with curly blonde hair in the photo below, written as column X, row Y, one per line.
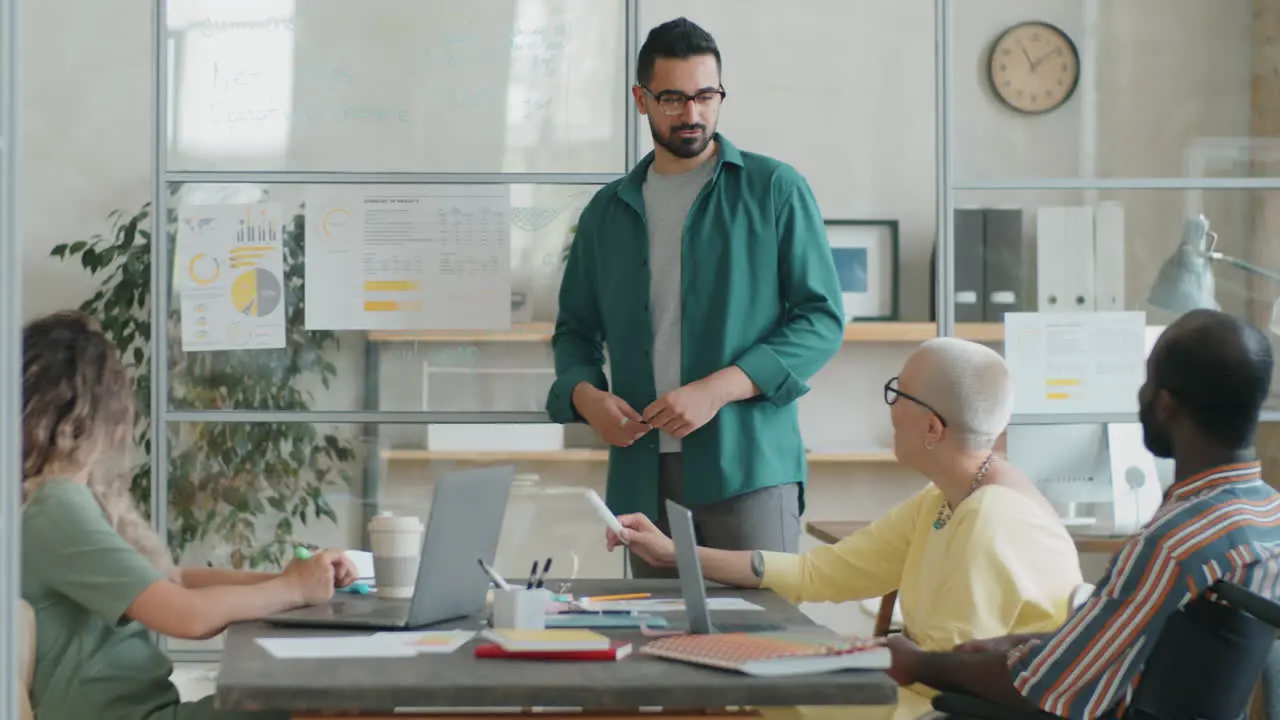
column 96, row 574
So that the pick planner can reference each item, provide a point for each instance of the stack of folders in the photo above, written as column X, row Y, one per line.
column 772, row 654
column 557, row 644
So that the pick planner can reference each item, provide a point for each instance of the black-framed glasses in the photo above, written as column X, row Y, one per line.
column 673, row 102
column 892, row 393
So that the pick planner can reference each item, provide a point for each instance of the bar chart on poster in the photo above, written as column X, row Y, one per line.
column 408, row 257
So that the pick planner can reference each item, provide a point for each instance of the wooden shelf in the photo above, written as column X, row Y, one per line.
column 588, row 455
column 882, row 332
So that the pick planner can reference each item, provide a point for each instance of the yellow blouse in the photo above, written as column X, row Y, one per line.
column 1002, row 564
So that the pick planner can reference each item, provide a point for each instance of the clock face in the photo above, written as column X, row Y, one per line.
column 1034, row 67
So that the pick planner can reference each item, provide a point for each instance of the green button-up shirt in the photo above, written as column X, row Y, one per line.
column 758, row 290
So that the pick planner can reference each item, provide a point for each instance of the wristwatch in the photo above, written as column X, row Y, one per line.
column 757, row 563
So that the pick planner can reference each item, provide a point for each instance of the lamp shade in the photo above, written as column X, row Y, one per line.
column 1185, row 282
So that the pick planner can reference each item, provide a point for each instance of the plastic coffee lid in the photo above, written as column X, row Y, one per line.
column 387, row 520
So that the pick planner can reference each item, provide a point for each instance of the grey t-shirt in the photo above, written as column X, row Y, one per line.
column 667, row 200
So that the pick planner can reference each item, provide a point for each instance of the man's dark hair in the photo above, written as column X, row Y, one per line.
column 680, row 38
column 1218, row 368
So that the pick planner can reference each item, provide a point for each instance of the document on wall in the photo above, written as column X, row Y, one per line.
column 229, row 264
column 1076, row 363
column 408, row 257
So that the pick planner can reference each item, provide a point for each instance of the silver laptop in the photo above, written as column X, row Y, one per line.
column 692, row 586
column 465, row 522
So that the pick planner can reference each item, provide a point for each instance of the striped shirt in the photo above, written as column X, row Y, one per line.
column 1222, row 524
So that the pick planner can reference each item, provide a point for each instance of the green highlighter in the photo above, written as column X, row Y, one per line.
column 357, row 588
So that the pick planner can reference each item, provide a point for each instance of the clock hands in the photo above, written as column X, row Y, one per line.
column 1036, row 63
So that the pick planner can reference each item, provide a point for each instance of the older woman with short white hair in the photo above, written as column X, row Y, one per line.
column 977, row 553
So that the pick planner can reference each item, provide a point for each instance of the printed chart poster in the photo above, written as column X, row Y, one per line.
column 1076, row 362
column 408, row 257
column 230, row 264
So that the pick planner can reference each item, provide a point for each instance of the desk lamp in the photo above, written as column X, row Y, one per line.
column 1185, row 281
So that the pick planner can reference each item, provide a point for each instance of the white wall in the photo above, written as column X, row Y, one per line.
column 842, row 89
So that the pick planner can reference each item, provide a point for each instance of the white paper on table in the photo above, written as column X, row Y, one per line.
column 653, row 605
column 1076, row 363
column 331, row 646
column 408, row 257
column 430, row 642
column 363, row 561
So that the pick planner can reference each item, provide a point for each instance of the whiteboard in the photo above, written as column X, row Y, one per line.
column 532, row 86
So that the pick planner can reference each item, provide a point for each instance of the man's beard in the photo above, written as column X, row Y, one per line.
column 1154, row 437
column 682, row 147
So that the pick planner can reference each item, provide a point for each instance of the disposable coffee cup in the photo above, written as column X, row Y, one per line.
column 396, row 542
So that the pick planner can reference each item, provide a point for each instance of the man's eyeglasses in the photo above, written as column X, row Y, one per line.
column 892, row 393
column 673, row 102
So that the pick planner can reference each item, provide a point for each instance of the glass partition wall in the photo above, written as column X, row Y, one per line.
column 300, row 107
column 314, row 111
column 10, row 369
column 1089, row 143
column 1104, row 157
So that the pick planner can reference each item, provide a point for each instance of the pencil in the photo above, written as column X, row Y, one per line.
column 602, row 598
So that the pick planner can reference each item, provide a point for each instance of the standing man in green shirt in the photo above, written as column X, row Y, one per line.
column 707, row 273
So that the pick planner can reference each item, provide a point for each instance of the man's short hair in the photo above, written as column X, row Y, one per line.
column 968, row 384
column 680, row 38
column 1218, row 368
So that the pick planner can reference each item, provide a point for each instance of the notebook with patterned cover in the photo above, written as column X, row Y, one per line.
column 772, row 654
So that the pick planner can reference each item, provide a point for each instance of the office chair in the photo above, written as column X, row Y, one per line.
column 1204, row 666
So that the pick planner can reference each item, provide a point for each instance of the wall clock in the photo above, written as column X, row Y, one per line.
column 1034, row 67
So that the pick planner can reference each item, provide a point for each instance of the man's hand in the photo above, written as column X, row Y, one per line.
column 904, row 656
column 684, row 409
column 645, row 540
column 1000, row 645
column 609, row 415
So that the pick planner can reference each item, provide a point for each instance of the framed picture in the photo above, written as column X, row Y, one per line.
column 866, row 257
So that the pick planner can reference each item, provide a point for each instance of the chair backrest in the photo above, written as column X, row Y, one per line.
column 27, row 658
column 1208, row 658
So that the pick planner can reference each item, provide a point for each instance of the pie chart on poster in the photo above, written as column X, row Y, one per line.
column 256, row 293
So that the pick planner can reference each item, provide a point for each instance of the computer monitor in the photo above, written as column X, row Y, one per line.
column 1099, row 476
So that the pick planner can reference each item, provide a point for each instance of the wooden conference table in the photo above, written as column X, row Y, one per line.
column 436, row 684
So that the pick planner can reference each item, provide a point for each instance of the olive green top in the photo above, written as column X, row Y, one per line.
column 80, row 577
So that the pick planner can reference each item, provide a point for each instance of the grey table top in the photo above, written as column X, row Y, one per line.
column 250, row 678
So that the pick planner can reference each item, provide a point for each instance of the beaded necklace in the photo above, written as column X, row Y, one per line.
column 944, row 512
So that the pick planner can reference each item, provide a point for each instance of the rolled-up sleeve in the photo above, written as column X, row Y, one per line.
column 782, row 363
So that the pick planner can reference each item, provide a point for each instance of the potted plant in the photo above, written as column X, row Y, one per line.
column 240, row 485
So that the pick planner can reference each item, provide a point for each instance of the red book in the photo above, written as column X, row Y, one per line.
column 616, row 651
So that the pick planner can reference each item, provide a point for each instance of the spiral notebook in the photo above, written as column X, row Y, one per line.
column 772, row 654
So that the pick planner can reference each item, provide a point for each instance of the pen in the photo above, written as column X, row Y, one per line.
column 357, row 588
column 533, row 572
column 542, row 578
column 494, row 576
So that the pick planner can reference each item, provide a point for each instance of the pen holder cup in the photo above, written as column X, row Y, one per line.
column 520, row 608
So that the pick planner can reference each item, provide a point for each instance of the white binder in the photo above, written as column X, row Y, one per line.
column 1065, row 259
